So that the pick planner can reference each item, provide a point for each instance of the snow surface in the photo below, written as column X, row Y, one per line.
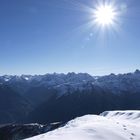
column 112, row 125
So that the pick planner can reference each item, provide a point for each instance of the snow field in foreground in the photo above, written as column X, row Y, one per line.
column 112, row 125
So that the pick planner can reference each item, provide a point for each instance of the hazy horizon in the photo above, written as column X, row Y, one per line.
column 92, row 74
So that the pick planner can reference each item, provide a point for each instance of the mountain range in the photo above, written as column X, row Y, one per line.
column 62, row 97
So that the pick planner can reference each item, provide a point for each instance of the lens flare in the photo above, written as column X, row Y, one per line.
column 105, row 15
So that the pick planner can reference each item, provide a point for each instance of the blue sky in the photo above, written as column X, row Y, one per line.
column 46, row 36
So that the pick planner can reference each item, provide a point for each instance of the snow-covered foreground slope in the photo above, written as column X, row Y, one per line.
column 113, row 125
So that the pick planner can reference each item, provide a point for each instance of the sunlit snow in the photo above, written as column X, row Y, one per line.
column 116, row 125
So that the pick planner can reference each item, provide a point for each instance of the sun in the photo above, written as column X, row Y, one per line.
column 105, row 15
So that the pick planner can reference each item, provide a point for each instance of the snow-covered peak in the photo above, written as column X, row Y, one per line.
column 137, row 71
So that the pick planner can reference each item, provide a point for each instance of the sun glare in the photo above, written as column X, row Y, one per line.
column 105, row 15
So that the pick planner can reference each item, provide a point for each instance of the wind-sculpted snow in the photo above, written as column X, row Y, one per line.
column 115, row 125
column 133, row 116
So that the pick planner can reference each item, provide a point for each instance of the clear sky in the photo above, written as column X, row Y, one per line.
column 46, row 36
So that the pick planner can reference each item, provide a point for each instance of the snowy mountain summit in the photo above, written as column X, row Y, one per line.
column 111, row 125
